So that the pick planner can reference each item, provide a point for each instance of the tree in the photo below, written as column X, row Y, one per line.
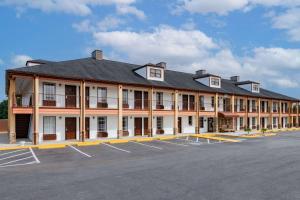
column 3, row 109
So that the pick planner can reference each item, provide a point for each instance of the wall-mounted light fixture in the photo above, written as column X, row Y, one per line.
column 59, row 84
column 93, row 87
column 60, row 117
column 93, row 117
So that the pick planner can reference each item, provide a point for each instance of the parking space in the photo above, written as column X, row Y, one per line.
column 103, row 152
column 18, row 157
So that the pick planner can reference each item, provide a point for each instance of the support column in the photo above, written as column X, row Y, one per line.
column 280, row 115
column 271, row 115
column 259, row 114
column 234, row 119
column 175, row 112
column 197, row 131
column 11, row 116
column 247, row 113
column 120, row 111
column 150, row 114
column 216, row 112
column 82, row 111
column 36, row 111
column 297, row 118
column 290, row 118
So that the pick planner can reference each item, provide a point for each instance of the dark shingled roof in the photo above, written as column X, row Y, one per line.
column 119, row 72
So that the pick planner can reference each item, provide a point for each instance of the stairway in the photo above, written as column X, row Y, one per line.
column 22, row 126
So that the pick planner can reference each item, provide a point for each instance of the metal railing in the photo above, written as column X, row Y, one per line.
column 163, row 105
column 23, row 100
column 59, row 100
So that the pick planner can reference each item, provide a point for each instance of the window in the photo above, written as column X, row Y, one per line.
column 156, row 73
column 49, row 124
column 255, row 87
column 102, row 124
column 125, row 96
column 213, row 102
column 253, row 121
column 49, row 91
column 190, row 120
column 241, row 121
column 159, row 98
column 125, row 123
column 214, row 81
column 159, row 123
column 102, row 95
column 201, row 122
column 201, row 101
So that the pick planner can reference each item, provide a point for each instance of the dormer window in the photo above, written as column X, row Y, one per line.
column 215, row 82
column 155, row 73
column 255, row 88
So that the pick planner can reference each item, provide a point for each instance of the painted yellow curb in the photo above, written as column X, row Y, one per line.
column 117, row 141
column 214, row 138
column 16, row 147
column 165, row 137
column 144, row 139
column 51, row 146
column 91, row 143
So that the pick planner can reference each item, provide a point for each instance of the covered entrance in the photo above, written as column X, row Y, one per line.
column 227, row 122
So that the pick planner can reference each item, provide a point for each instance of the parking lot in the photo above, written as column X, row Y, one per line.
column 182, row 168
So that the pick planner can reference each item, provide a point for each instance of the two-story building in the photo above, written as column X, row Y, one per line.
column 94, row 98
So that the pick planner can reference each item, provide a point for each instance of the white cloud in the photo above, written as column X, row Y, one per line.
column 289, row 21
column 285, row 83
column 127, row 9
column 108, row 23
column 225, row 6
column 20, row 60
column 190, row 50
column 162, row 43
column 77, row 7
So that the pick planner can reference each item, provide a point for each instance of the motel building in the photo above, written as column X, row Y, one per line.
column 95, row 98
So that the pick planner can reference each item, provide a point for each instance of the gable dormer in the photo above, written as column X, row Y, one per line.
column 207, row 79
column 251, row 86
column 152, row 72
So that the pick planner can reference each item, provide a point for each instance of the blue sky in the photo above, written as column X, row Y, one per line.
column 256, row 39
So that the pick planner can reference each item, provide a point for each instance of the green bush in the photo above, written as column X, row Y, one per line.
column 248, row 130
column 3, row 109
column 264, row 130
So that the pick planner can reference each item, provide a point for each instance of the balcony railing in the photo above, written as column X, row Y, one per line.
column 206, row 107
column 59, row 101
column 239, row 108
column 187, row 106
column 94, row 102
column 264, row 109
column 253, row 109
column 23, row 101
column 163, row 105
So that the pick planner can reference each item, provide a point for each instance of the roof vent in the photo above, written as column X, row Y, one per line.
column 201, row 72
column 235, row 78
column 162, row 65
column 97, row 54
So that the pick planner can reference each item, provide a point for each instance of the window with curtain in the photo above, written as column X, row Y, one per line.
column 102, row 95
column 49, row 91
column 156, row 73
column 159, row 98
column 125, row 96
column 159, row 123
column 49, row 124
column 102, row 124
column 125, row 123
